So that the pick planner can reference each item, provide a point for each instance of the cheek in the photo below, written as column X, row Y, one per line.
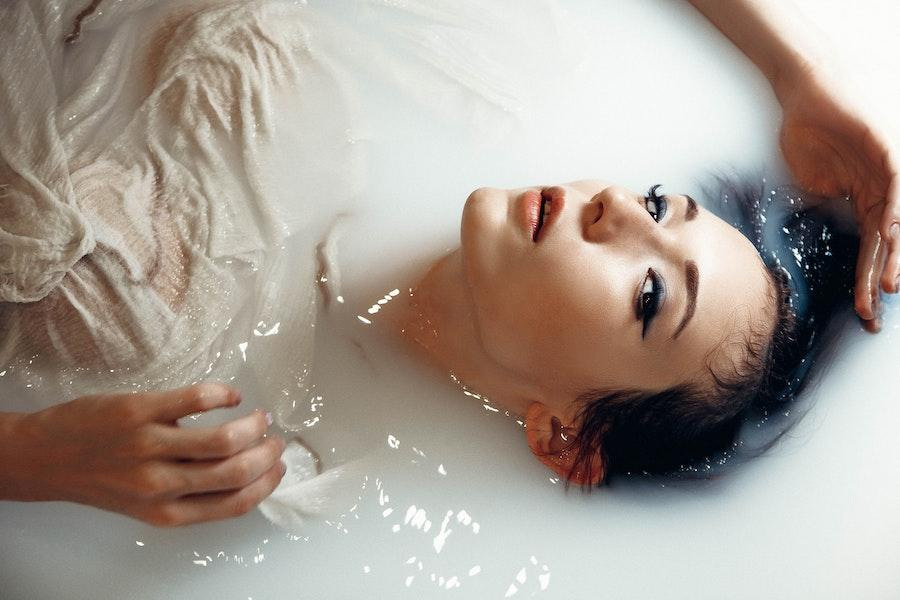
column 544, row 328
column 510, row 322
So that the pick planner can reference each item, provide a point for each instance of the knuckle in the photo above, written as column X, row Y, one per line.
column 146, row 444
column 241, row 472
column 206, row 396
column 129, row 411
column 276, row 446
column 153, row 482
column 163, row 516
column 243, row 503
column 225, row 441
column 209, row 394
column 196, row 398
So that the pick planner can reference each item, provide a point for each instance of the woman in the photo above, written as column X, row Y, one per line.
column 636, row 284
column 550, row 312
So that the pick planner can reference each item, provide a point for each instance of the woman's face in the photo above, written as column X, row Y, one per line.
column 616, row 290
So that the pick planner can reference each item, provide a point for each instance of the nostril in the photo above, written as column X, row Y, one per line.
column 599, row 211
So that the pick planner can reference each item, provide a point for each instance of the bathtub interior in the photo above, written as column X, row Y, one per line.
column 443, row 498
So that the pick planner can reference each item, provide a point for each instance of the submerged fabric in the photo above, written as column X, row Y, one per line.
column 133, row 200
column 150, row 169
column 305, row 493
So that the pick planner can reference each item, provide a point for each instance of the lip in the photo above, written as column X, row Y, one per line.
column 530, row 209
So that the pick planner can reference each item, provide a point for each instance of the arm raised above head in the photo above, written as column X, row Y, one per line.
column 771, row 33
column 833, row 143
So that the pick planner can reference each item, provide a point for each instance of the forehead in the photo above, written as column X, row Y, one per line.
column 735, row 298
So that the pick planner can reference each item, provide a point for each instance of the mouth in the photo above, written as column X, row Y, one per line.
column 542, row 208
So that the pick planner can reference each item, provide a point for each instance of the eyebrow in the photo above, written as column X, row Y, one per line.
column 692, row 284
column 691, row 211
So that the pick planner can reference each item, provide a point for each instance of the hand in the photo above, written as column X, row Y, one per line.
column 126, row 453
column 835, row 148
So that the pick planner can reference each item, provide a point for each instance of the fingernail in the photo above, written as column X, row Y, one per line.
column 269, row 419
column 895, row 232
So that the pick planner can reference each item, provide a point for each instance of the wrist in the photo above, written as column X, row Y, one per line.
column 794, row 73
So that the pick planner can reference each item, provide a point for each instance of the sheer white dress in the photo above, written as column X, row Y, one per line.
column 137, row 211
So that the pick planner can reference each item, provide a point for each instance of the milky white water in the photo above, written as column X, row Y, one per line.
column 443, row 498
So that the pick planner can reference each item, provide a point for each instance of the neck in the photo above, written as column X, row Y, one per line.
column 438, row 321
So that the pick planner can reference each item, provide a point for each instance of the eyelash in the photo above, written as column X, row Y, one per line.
column 658, row 203
column 649, row 301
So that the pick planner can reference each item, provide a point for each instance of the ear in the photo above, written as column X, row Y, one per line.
column 553, row 442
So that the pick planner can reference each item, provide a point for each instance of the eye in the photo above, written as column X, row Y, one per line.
column 650, row 299
column 656, row 205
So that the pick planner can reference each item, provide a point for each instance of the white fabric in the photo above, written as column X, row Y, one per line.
column 305, row 494
column 133, row 198
column 139, row 215
column 143, row 195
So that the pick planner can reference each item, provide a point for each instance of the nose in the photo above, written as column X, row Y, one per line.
column 616, row 212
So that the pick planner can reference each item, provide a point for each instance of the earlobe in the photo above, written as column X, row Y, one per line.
column 556, row 447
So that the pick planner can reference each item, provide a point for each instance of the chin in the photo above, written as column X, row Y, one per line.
column 481, row 227
column 478, row 208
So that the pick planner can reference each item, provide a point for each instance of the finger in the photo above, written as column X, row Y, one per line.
column 880, row 261
column 232, row 473
column 866, row 289
column 204, row 443
column 873, row 326
column 890, row 231
column 890, row 275
column 171, row 405
column 220, row 505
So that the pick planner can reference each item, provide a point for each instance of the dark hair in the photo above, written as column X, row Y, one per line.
column 671, row 430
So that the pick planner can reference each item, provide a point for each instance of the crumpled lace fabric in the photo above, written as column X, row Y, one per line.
column 132, row 196
column 140, row 211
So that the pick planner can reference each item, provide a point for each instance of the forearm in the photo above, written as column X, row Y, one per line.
column 771, row 33
column 15, row 455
